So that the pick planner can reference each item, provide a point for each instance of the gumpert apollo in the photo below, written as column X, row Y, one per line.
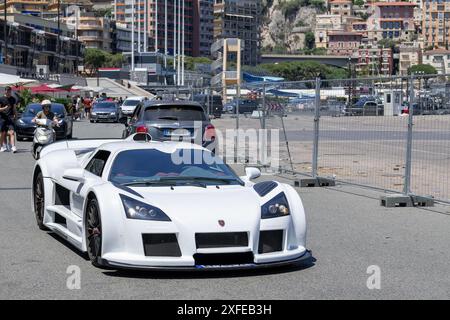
column 164, row 205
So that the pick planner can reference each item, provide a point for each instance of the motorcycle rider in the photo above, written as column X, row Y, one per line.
column 46, row 112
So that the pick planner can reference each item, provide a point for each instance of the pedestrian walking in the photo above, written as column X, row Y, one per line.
column 8, row 114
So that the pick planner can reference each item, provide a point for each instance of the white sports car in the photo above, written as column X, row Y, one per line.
column 164, row 205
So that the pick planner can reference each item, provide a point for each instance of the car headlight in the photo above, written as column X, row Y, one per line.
column 135, row 209
column 21, row 121
column 94, row 113
column 113, row 113
column 277, row 207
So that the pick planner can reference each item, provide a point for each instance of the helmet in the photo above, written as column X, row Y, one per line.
column 46, row 103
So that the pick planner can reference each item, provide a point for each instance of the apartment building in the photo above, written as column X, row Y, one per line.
column 34, row 48
column 154, row 18
column 438, row 58
column 205, row 26
column 374, row 61
column 121, row 38
column 240, row 19
column 35, row 8
column 391, row 20
column 343, row 43
column 324, row 24
column 341, row 7
column 435, row 23
column 410, row 55
column 94, row 32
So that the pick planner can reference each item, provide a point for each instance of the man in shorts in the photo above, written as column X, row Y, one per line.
column 8, row 113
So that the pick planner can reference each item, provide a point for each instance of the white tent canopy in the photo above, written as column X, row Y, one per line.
column 8, row 79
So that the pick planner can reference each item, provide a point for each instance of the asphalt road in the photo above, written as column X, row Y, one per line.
column 347, row 231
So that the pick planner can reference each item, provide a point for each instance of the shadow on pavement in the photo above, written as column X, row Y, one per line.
column 68, row 245
column 205, row 274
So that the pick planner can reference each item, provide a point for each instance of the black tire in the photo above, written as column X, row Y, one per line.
column 93, row 231
column 92, row 121
column 39, row 200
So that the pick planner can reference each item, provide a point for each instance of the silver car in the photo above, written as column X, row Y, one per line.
column 105, row 111
column 169, row 120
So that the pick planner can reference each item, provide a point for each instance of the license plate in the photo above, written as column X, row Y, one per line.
column 177, row 132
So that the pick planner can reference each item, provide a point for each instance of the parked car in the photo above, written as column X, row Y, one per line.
column 25, row 128
column 130, row 104
column 214, row 106
column 369, row 108
column 169, row 120
column 245, row 106
column 105, row 111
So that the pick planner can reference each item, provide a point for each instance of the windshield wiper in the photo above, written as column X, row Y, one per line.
column 163, row 182
column 149, row 183
column 184, row 178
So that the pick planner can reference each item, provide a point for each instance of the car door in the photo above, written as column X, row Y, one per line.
column 93, row 173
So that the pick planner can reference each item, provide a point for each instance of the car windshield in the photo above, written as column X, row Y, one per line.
column 130, row 103
column 146, row 167
column 33, row 109
column 105, row 105
column 175, row 112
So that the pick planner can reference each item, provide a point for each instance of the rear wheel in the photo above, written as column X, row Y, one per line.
column 39, row 200
column 93, row 227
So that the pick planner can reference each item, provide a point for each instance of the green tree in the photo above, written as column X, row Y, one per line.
column 189, row 62
column 422, row 69
column 113, row 60
column 309, row 40
column 358, row 2
column 304, row 70
column 94, row 59
column 387, row 43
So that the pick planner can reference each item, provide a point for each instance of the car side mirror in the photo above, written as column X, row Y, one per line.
column 252, row 173
column 75, row 174
column 124, row 121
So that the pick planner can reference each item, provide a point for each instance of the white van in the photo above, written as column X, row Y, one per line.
column 130, row 104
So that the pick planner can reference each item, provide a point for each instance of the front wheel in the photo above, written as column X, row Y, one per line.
column 93, row 227
column 39, row 200
column 36, row 151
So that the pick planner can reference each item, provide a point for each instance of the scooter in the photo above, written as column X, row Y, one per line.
column 43, row 135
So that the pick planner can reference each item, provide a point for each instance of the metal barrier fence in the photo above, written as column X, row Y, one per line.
column 387, row 133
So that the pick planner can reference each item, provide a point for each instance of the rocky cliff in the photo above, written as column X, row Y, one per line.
column 286, row 22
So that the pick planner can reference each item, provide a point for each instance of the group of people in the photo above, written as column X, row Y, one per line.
column 8, row 114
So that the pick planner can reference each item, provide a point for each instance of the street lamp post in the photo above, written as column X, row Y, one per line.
column 4, row 32
column 350, row 87
column 58, row 46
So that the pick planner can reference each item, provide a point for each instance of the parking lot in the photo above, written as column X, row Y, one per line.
column 347, row 232
column 365, row 150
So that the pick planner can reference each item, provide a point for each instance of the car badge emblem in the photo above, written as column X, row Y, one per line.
column 221, row 223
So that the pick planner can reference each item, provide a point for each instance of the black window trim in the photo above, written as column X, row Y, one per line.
column 104, row 164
